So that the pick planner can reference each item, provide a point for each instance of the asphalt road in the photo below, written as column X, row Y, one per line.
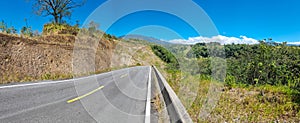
column 114, row 97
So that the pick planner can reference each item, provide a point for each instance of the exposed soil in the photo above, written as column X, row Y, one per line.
column 63, row 56
column 34, row 57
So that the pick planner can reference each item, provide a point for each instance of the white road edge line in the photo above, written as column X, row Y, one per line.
column 148, row 106
column 32, row 84
column 54, row 82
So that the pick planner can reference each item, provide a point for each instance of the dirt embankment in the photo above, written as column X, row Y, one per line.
column 24, row 59
column 61, row 57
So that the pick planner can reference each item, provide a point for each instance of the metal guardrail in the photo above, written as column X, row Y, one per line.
column 177, row 112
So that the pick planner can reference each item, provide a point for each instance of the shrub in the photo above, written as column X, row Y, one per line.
column 165, row 56
column 60, row 29
column 9, row 30
column 26, row 31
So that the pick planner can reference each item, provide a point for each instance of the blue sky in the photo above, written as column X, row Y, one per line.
column 256, row 19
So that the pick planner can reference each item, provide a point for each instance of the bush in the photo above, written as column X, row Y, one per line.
column 165, row 56
column 26, row 31
column 267, row 63
column 60, row 29
column 9, row 30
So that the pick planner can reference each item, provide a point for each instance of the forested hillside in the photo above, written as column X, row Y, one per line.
column 262, row 82
column 264, row 63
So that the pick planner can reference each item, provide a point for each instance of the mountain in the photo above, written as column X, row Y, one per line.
column 146, row 38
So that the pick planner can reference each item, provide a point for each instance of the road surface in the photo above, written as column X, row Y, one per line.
column 114, row 97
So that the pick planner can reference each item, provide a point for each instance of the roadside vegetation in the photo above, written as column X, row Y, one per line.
column 261, row 83
column 166, row 56
column 4, row 28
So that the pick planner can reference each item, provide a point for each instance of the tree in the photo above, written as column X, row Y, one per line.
column 93, row 26
column 58, row 9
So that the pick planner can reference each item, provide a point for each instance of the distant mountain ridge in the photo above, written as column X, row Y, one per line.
column 146, row 38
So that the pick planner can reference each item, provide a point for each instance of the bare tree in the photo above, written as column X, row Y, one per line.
column 58, row 9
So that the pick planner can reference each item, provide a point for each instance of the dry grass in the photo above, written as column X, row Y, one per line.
column 236, row 104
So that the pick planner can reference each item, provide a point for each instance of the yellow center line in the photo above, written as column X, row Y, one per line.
column 80, row 97
column 124, row 75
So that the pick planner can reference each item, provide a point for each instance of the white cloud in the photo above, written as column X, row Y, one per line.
column 221, row 39
column 294, row 43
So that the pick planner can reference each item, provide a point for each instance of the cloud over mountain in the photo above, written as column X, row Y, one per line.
column 293, row 43
column 221, row 39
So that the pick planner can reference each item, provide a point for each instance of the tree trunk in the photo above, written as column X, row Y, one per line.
column 60, row 19
column 56, row 19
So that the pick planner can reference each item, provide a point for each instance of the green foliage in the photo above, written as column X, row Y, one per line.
column 53, row 28
column 165, row 56
column 202, row 50
column 262, row 80
column 9, row 30
column 198, row 50
column 138, row 64
column 12, row 30
column 3, row 26
column 267, row 64
column 27, row 31
column 260, row 64
column 93, row 26
column 92, row 30
column 110, row 37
